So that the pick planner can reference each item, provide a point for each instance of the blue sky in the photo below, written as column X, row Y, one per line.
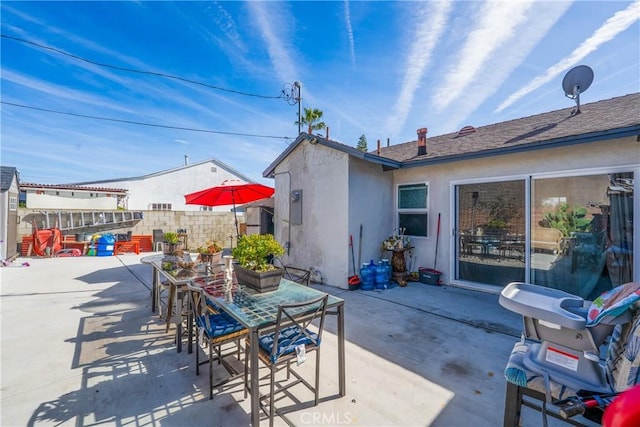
column 379, row 69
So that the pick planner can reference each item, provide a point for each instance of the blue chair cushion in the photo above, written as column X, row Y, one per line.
column 219, row 324
column 288, row 339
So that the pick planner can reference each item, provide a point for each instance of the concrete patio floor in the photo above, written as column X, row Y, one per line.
column 81, row 347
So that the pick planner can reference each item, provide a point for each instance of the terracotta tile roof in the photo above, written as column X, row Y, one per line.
column 597, row 117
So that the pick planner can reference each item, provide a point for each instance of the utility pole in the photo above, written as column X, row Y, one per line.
column 298, row 86
column 292, row 93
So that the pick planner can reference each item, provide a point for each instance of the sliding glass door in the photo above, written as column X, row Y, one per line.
column 582, row 232
column 578, row 237
column 491, row 232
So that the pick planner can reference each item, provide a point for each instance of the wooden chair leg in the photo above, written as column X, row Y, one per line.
column 170, row 307
column 512, row 405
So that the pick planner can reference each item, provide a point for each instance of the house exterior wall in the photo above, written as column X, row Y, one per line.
column 8, row 221
column 623, row 153
column 320, row 242
column 170, row 187
column 371, row 205
column 70, row 199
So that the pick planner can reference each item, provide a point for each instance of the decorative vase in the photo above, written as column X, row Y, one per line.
column 261, row 281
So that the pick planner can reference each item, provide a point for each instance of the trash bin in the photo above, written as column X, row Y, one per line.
column 105, row 245
column 429, row 276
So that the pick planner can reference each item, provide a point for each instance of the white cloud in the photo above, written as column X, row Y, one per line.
column 430, row 23
column 267, row 19
column 609, row 30
column 352, row 46
column 497, row 23
column 541, row 18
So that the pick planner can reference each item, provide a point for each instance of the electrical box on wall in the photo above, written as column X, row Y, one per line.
column 296, row 207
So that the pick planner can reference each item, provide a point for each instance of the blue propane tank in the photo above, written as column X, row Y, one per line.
column 381, row 276
column 367, row 277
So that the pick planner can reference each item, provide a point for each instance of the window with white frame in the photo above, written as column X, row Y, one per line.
column 161, row 206
column 13, row 203
column 413, row 209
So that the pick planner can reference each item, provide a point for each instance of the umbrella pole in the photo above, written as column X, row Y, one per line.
column 235, row 215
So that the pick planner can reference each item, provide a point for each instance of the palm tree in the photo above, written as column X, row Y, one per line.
column 312, row 118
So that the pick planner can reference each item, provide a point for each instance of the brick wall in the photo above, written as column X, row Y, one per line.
column 200, row 226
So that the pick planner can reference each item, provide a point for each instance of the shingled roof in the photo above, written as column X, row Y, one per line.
column 613, row 118
column 7, row 173
column 597, row 120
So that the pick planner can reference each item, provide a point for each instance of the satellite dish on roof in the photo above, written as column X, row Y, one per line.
column 576, row 81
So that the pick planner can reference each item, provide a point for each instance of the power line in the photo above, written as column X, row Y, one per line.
column 131, row 70
column 131, row 122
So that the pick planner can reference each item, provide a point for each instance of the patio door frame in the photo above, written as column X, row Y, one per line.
column 528, row 180
column 455, row 233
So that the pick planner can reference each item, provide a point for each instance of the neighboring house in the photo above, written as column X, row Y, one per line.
column 491, row 191
column 72, row 197
column 165, row 190
column 9, row 192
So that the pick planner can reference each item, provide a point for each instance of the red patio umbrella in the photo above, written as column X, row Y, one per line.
column 230, row 192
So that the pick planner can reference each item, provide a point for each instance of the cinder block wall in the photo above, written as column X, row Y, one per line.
column 200, row 226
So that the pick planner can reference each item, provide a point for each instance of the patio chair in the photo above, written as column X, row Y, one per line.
column 215, row 329
column 158, row 238
column 295, row 274
column 570, row 351
column 290, row 340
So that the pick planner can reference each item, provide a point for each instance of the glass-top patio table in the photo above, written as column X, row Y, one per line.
column 258, row 311
column 177, row 284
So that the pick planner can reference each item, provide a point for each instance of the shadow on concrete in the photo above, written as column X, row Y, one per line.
column 131, row 372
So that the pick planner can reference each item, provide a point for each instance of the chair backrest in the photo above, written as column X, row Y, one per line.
column 296, row 319
column 158, row 236
column 296, row 274
column 197, row 300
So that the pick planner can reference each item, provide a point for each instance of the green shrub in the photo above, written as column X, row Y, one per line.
column 253, row 251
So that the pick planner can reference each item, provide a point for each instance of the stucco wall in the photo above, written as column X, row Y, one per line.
column 8, row 220
column 320, row 242
column 623, row 153
column 371, row 204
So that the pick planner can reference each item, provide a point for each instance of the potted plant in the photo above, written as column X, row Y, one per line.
column 210, row 253
column 172, row 244
column 254, row 269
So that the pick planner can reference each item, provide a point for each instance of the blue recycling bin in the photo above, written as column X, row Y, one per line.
column 106, row 244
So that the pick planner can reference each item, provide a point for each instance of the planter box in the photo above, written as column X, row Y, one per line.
column 171, row 248
column 260, row 281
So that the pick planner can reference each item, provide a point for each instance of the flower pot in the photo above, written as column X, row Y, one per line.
column 263, row 281
column 171, row 248
column 212, row 259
